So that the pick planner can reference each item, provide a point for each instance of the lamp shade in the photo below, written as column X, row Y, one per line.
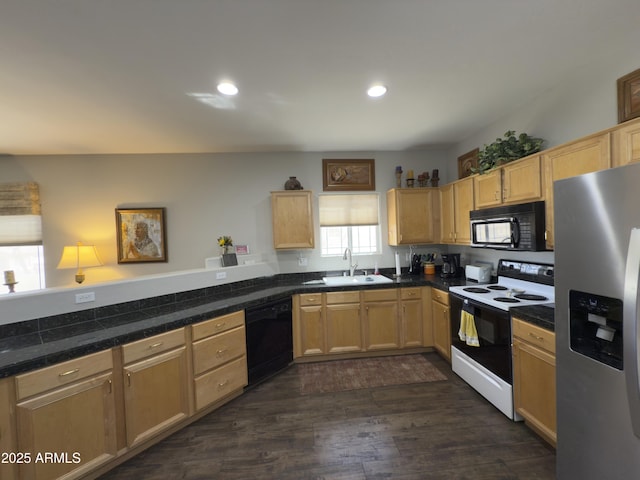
column 79, row 256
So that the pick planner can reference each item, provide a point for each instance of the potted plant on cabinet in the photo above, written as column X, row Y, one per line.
column 507, row 149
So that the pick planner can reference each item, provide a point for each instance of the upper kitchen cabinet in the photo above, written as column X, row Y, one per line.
column 589, row 154
column 292, row 216
column 413, row 216
column 456, row 201
column 516, row 182
column 626, row 143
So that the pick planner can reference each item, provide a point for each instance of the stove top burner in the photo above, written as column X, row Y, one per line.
column 497, row 287
column 531, row 296
column 507, row 300
column 476, row 290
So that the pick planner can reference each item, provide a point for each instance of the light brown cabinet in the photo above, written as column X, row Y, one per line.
column 411, row 317
column 413, row 216
column 456, row 201
column 534, row 377
column 626, row 143
column 8, row 442
column 587, row 155
column 68, row 408
column 343, row 323
column 292, row 218
column 381, row 322
column 308, row 325
column 155, row 385
column 219, row 358
column 516, row 182
column 441, row 323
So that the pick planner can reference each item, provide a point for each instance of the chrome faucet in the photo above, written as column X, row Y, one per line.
column 347, row 257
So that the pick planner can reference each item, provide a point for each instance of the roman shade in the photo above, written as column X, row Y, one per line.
column 348, row 209
column 20, row 219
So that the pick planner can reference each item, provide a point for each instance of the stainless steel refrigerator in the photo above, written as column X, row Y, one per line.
column 597, row 265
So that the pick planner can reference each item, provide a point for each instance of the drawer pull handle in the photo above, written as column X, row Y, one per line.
column 536, row 337
column 221, row 352
column 223, row 384
column 70, row 372
column 110, row 386
column 220, row 325
column 311, row 299
column 156, row 345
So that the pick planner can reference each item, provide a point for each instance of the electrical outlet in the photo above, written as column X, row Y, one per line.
column 221, row 275
column 303, row 261
column 85, row 297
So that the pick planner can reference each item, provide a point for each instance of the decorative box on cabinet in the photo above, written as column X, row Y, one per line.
column 75, row 398
column 534, row 377
column 441, row 323
column 155, row 385
column 219, row 358
column 292, row 217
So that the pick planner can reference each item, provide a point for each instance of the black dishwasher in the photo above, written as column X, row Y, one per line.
column 269, row 339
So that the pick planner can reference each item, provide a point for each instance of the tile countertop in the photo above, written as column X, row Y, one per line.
column 55, row 340
column 540, row 315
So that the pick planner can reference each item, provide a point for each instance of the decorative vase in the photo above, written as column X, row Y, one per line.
column 292, row 184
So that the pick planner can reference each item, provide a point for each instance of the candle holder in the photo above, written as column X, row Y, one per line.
column 410, row 182
column 11, row 286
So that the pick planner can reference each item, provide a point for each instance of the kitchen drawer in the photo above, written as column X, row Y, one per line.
column 380, row 295
column 216, row 384
column 218, row 349
column 440, row 296
column 342, row 297
column 411, row 293
column 153, row 345
column 62, row 374
column 217, row 325
column 538, row 336
column 307, row 299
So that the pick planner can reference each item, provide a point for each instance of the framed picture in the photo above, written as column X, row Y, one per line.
column 141, row 235
column 629, row 96
column 343, row 175
column 466, row 162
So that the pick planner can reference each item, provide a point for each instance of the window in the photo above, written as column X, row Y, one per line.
column 349, row 221
column 21, row 235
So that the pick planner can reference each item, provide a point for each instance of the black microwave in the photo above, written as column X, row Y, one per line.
column 511, row 227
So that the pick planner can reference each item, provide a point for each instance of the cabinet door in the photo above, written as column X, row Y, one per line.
column 410, row 216
column 447, row 223
column 584, row 156
column 463, row 204
column 488, row 189
column 77, row 420
column 534, row 388
column 292, row 219
column 155, row 392
column 412, row 323
column 442, row 330
column 7, row 426
column 381, row 325
column 311, row 332
column 626, row 143
column 522, row 181
column 344, row 332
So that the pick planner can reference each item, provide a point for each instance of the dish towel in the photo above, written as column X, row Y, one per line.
column 468, row 332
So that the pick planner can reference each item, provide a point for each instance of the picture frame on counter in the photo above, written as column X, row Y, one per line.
column 629, row 96
column 346, row 175
column 141, row 235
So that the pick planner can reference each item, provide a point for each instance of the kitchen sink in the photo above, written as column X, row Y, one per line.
column 356, row 280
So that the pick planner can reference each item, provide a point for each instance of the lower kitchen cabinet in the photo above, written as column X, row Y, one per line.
column 441, row 323
column 308, row 325
column 7, row 427
column 381, row 321
column 155, row 385
column 219, row 358
column 343, row 324
column 67, row 409
column 534, row 377
column 411, row 317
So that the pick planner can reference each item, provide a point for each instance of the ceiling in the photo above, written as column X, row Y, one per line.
column 118, row 76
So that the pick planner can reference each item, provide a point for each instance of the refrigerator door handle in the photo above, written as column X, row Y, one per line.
column 630, row 330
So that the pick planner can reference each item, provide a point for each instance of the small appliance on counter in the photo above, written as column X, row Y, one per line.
column 478, row 273
column 451, row 265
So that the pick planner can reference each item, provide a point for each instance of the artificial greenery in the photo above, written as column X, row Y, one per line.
column 507, row 149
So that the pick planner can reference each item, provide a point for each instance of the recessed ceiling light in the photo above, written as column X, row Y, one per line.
column 377, row 91
column 227, row 88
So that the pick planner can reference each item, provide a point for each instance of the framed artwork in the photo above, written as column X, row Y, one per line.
column 629, row 96
column 466, row 162
column 344, row 175
column 141, row 235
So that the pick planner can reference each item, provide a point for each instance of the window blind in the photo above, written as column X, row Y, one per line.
column 20, row 216
column 348, row 209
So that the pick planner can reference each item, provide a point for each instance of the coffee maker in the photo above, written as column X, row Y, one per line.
column 451, row 265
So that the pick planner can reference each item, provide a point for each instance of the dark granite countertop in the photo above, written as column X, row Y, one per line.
column 540, row 315
column 46, row 341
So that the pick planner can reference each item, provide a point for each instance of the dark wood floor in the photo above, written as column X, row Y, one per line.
column 437, row 430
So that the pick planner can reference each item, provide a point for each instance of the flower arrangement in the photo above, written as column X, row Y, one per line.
column 225, row 242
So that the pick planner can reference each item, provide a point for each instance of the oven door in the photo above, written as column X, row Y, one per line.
column 494, row 333
column 500, row 233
